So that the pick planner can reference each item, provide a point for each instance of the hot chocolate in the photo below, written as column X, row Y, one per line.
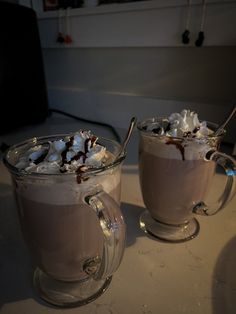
column 57, row 235
column 68, row 194
column 172, row 187
column 54, row 213
column 175, row 173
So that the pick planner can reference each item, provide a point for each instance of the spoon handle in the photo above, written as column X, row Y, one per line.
column 222, row 126
column 131, row 126
column 128, row 134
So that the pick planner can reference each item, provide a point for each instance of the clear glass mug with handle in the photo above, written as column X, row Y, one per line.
column 72, row 225
column 176, row 175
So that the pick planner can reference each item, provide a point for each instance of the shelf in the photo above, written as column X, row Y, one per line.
column 153, row 23
column 126, row 7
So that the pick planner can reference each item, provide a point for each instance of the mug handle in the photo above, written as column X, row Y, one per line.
column 113, row 229
column 229, row 166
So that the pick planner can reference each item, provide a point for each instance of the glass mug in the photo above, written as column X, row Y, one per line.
column 176, row 175
column 72, row 225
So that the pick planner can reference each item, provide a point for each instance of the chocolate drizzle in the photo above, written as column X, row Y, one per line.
column 78, row 156
column 65, row 151
column 156, row 130
column 191, row 134
column 81, row 169
column 178, row 145
column 40, row 158
column 88, row 144
column 93, row 140
column 196, row 129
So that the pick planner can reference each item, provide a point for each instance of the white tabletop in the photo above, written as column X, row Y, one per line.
column 195, row 277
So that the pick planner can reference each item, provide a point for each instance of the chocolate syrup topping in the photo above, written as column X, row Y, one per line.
column 78, row 156
column 187, row 134
column 68, row 145
column 178, row 145
column 40, row 158
column 156, row 130
column 79, row 172
column 88, row 144
column 196, row 129
column 76, row 153
column 93, row 140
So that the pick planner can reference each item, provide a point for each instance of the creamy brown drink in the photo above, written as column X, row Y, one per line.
column 176, row 173
column 55, row 219
column 170, row 186
column 68, row 194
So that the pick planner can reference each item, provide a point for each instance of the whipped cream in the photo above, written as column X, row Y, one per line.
column 183, row 137
column 185, row 149
column 74, row 154
column 184, row 124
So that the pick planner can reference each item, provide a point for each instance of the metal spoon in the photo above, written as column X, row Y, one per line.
column 222, row 126
column 127, row 137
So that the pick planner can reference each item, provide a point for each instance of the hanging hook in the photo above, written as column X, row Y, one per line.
column 201, row 36
column 68, row 39
column 60, row 37
column 186, row 33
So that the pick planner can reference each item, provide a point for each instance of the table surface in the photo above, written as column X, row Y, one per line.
column 198, row 276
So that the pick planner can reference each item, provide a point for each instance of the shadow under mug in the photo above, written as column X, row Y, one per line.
column 72, row 226
column 176, row 175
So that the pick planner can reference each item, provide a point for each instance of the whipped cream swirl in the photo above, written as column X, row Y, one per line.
column 184, row 124
column 73, row 154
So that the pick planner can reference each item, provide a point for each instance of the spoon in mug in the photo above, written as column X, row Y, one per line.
column 222, row 126
column 127, row 137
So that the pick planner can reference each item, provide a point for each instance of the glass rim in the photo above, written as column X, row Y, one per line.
column 39, row 139
column 144, row 122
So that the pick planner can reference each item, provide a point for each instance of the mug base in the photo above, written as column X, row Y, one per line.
column 168, row 232
column 68, row 294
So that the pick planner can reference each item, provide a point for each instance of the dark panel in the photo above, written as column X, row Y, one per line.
column 23, row 93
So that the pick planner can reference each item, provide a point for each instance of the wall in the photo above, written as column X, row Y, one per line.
column 111, row 84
